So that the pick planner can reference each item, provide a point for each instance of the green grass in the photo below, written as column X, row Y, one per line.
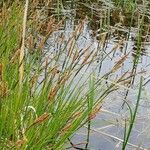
column 49, row 106
column 44, row 113
column 133, row 114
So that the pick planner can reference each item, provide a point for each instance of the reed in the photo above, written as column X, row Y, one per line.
column 22, row 49
column 50, row 106
column 133, row 114
column 43, row 97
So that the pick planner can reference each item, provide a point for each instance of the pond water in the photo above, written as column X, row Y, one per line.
column 107, row 128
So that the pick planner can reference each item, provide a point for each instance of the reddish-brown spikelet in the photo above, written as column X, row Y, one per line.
column 15, row 56
column 3, row 89
column 63, row 78
column 52, row 93
column 119, row 63
column 76, row 115
column 34, row 80
column 3, row 84
column 21, row 142
column 54, row 71
column 94, row 112
column 87, row 57
column 71, row 46
column 75, row 56
column 41, row 118
column 66, row 128
column 46, row 63
column 30, row 42
column 60, row 82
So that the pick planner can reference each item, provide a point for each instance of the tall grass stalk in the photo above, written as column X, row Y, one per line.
column 90, row 98
column 133, row 117
column 49, row 108
column 53, row 102
column 22, row 50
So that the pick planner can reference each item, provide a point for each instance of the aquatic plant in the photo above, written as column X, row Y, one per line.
column 46, row 94
column 41, row 105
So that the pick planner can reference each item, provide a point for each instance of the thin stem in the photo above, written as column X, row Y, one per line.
column 21, row 68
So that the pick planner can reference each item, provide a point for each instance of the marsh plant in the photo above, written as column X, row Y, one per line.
column 43, row 99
